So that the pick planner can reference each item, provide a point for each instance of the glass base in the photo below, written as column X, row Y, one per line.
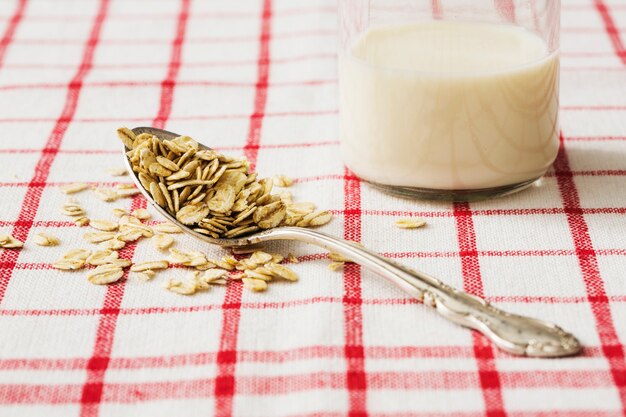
column 454, row 195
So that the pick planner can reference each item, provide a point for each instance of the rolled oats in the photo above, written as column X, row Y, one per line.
column 192, row 213
column 9, row 242
column 335, row 266
column 72, row 208
column 143, row 266
column 81, row 254
column 256, row 285
column 413, row 223
column 102, row 257
column 112, row 244
column 68, row 264
column 104, row 225
column 282, row 181
column 117, row 171
column 105, row 274
column 256, row 274
column 119, row 212
column 106, row 194
column 74, row 188
column 46, row 239
column 163, row 241
column 180, row 287
column 167, row 228
column 282, row 271
column 127, row 136
column 214, row 194
column 129, row 234
column 82, row 221
column 338, row 257
column 146, row 275
column 141, row 214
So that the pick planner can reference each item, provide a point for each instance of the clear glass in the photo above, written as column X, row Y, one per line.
column 449, row 99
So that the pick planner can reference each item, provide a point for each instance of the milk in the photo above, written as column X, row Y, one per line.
column 450, row 106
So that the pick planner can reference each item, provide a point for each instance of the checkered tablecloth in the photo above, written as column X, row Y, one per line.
column 258, row 77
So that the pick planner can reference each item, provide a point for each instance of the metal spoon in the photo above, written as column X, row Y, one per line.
column 518, row 335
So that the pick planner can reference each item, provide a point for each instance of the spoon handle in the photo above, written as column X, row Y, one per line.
column 516, row 334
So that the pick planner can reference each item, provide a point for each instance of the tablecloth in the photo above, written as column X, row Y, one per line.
column 258, row 78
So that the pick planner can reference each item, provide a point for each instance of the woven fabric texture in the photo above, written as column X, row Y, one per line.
column 258, row 78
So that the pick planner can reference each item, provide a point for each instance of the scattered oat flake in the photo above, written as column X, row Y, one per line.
column 121, row 262
column 144, row 266
column 256, row 274
column 162, row 241
column 68, row 264
column 412, row 223
column 260, row 257
column 106, row 194
column 211, row 275
column 282, row 181
column 338, row 257
column 167, row 228
column 282, row 271
column 74, row 187
column 46, row 239
column 117, row 171
column 102, row 257
column 256, row 285
column 97, row 237
column 292, row 258
column 112, row 244
column 179, row 287
column 146, row 275
column 72, row 208
column 119, row 212
column 105, row 274
column 104, row 225
column 9, row 242
column 81, row 254
column 334, row 266
column 82, row 221
column 141, row 214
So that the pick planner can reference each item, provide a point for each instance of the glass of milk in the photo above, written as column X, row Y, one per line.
column 449, row 99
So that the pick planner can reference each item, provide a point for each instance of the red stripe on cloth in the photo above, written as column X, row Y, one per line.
column 30, row 204
column 92, row 392
column 506, row 8
column 225, row 388
column 137, row 41
column 221, row 63
column 6, row 39
column 352, row 302
column 218, row 148
column 437, row 9
column 588, row 263
column 251, row 149
column 277, row 357
column 611, row 29
column 528, row 299
column 472, row 282
column 263, row 385
column 169, row 83
column 148, row 16
column 97, row 365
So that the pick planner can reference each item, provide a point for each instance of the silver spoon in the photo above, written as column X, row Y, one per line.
column 518, row 335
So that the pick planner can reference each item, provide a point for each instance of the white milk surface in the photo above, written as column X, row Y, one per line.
column 448, row 105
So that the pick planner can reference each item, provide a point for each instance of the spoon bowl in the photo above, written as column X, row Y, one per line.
column 516, row 334
column 224, row 242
